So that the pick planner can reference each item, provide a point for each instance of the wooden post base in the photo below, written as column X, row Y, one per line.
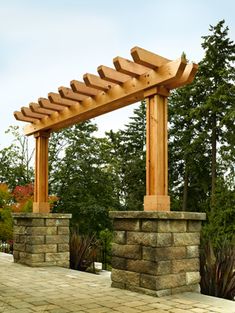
column 156, row 203
column 41, row 207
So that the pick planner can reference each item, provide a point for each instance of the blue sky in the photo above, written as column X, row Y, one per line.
column 45, row 44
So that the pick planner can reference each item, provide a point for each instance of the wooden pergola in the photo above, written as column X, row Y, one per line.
column 150, row 77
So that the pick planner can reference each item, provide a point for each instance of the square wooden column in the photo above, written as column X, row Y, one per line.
column 41, row 204
column 156, row 198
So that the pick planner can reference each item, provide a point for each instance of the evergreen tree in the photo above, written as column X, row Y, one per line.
column 79, row 178
column 127, row 151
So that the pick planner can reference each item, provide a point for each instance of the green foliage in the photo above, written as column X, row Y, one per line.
column 201, row 149
column 6, row 223
column 105, row 239
column 15, row 161
column 127, row 160
column 217, row 271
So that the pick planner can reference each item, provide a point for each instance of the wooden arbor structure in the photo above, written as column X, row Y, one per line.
column 149, row 76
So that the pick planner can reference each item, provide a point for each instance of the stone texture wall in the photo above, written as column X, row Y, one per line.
column 156, row 253
column 41, row 239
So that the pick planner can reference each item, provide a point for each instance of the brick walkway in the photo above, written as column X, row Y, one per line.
column 58, row 290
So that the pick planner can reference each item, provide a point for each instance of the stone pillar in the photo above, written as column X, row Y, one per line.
column 156, row 253
column 41, row 239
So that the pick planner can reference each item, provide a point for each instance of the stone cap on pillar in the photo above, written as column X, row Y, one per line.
column 42, row 215
column 169, row 215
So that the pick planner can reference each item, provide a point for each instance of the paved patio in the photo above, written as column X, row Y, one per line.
column 58, row 290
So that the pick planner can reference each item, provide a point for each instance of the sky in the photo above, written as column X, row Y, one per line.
column 44, row 44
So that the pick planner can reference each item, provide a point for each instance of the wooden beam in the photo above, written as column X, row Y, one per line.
column 41, row 204
column 117, row 96
column 56, row 98
column 35, row 107
column 46, row 104
column 156, row 198
column 69, row 94
column 147, row 58
column 110, row 74
column 28, row 113
column 128, row 67
column 97, row 82
column 187, row 77
column 83, row 89
column 20, row 117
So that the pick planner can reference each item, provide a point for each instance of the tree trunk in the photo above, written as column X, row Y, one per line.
column 185, row 191
column 213, row 160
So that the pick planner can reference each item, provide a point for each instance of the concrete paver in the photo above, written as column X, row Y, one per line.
column 59, row 290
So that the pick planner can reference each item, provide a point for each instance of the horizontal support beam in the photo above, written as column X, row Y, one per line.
column 116, row 97
column 97, row 82
column 147, row 58
column 28, row 113
column 37, row 109
column 46, row 104
column 110, row 74
column 83, row 89
column 70, row 94
column 128, row 67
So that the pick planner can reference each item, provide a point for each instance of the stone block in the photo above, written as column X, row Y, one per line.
column 186, row 265
column 119, row 263
column 164, row 253
column 142, row 266
column 194, row 226
column 63, row 230
column 118, row 285
column 41, row 248
column 170, row 281
column 41, row 231
column 126, row 224
column 16, row 255
column 148, row 281
column 19, row 247
column 192, row 251
column 126, row 251
column 186, row 239
column 57, row 222
column 192, row 278
column 119, row 237
column 35, row 258
column 57, row 257
column 189, row 288
column 121, row 276
column 63, row 247
column 19, row 230
column 16, row 238
column 163, row 293
column 145, row 239
column 22, row 238
column 174, row 226
column 58, row 239
column 163, row 267
column 149, row 226
column 164, row 239
column 35, row 240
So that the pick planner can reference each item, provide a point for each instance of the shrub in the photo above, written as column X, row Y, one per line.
column 82, row 251
column 217, row 269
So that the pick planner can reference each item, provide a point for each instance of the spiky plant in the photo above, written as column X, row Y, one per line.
column 82, row 251
column 217, row 267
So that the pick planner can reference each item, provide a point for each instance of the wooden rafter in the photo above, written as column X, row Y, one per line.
column 128, row 82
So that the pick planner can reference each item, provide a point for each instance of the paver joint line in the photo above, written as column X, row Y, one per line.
column 60, row 290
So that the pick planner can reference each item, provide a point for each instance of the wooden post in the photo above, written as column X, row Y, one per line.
column 41, row 204
column 156, row 198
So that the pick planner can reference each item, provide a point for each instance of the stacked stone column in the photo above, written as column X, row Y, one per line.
column 41, row 239
column 156, row 253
